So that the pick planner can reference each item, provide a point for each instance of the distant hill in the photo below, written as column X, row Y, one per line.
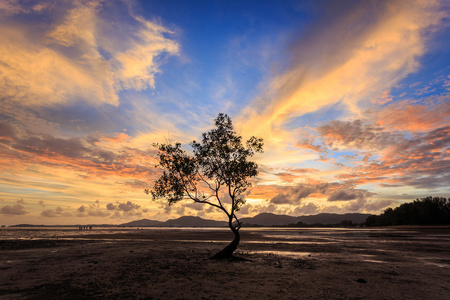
column 334, row 218
column 30, row 225
column 185, row 221
column 70, row 225
column 263, row 219
column 268, row 219
column 190, row 221
column 143, row 223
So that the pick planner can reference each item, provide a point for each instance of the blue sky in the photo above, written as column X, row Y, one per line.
column 351, row 98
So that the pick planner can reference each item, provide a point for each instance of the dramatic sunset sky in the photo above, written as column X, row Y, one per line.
column 352, row 99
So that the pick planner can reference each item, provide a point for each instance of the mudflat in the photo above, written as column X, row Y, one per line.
column 388, row 263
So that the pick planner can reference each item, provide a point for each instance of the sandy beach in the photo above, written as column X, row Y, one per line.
column 396, row 263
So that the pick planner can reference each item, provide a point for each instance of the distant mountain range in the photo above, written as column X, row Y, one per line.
column 334, row 218
column 263, row 219
column 186, row 221
column 268, row 219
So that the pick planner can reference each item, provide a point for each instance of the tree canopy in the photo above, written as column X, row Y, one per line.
column 217, row 172
column 423, row 211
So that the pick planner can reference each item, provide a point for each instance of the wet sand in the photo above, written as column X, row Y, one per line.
column 396, row 263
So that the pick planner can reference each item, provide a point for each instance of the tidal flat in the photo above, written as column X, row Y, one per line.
column 284, row 263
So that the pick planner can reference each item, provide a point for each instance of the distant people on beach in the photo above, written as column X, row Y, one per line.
column 85, row 227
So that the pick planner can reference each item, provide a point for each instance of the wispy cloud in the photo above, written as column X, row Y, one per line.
column 86, row 155
column 389, row 156
column 79, row 54
column 354, row 54
column 415, row 116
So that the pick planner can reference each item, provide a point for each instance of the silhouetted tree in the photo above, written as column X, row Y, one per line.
column 216, row 174
column 423, row 211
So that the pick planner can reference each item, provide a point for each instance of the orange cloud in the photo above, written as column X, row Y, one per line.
column 380, row 46
column 63, row 60
column 415, row 117
column 75, row 154
column 117, row 139
column 264, row 191
column 421, row 161
column 384, row 98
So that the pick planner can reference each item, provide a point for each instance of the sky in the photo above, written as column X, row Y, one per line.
column 352, row 99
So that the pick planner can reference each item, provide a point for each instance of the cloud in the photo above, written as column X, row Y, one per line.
column 8, row 131
column 92, row 210
column 355, row 205
column 118, row 138
column 136, row 185
column 420, row 160
column 271, row 208
column 342, row 195
column 367, row 206
column 355, row 52
column 97, row 213
column 307, row 209
column 57, row 212
column 10, row 8
column 390, row 126
column 111, row 206
column 125, row 207
column 87, row 154
column 138, row 65
column 293, row 195
column 335, row 191
column 377, row 205
column 82, row 52
column 384, row 155
column 196, row 206
column 346, row 194
column 431, row 113
column 16, row 209
column 243, row 211
column 356, row 134
column 294, row 174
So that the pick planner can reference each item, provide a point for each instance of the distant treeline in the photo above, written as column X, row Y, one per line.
column 423, row 211
column 344, row 223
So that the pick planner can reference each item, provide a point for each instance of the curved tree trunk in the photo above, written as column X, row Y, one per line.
column 228, row 251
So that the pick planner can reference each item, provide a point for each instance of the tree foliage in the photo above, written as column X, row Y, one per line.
column 423, row 211
column 217, row 172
